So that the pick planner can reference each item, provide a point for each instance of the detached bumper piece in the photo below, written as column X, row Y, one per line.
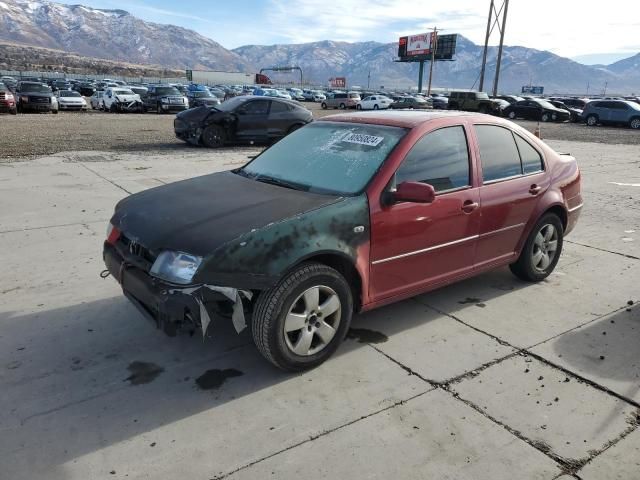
column 134, row 106
column 173, row 308
column 186, row 132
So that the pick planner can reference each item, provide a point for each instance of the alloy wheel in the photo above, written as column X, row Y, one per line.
column 545, row 246
column 312, row 321
column 635, row 123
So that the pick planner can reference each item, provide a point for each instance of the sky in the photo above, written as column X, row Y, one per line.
column 585, row 31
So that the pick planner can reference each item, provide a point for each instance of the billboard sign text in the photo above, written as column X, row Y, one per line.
column 419, row 44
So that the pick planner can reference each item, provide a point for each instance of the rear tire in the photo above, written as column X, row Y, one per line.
column 545, row 117
column 358, row 107
column 512, row 115
column 324, row 106
column 214, row 136
column 635, row 123
column 343, row 106
column 592, row 120
column 375, row 107
column 541, row 251
column 14, row 111
column 299, row 323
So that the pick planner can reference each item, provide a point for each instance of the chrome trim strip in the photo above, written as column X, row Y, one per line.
column 424, row 250
column 578, row 207
column 505, row 229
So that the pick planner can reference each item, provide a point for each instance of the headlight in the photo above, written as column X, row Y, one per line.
column 164, row 100
column 176, row 267
column 24, row 99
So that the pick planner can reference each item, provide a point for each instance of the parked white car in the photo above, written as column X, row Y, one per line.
column 70, row 100
column 96, row 99
column 121, row 100
column 374, row 102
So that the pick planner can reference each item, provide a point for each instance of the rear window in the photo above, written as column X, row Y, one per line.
column 498, row 153
column 531, row 159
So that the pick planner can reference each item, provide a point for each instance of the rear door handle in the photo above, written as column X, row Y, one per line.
column 535, row 189
column 469, row 206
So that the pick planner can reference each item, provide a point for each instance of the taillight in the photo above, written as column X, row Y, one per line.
column 113, row 234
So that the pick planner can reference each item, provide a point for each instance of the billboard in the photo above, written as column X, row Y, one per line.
column 533, row 90
column 419, row 44
column 338, row 82
column 445, row 48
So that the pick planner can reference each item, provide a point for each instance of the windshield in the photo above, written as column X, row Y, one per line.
column 34, row 87
column 545, row 104
column 482, row 95
column 167, row 91
column 327, row 157
column 70, row 94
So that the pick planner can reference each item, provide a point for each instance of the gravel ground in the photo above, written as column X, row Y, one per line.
column 31, row 135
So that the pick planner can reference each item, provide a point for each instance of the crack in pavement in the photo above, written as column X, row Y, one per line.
column 323, row 433
column 625, row 255
column 53, row 226
column 102, row 177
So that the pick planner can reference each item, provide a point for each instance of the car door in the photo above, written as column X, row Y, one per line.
column 513, row 179
column 280, row 119
column 619, row 112
column 252, row 119
column 415, row 245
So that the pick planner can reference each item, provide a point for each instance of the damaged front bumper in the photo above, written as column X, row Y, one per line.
column 186, row 132
column 133, row 106
column 172, row 308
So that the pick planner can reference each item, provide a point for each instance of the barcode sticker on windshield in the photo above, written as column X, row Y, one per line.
column 362, row 139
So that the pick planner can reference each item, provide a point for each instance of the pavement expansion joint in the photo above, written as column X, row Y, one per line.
column 603, row 250
column 323, row 433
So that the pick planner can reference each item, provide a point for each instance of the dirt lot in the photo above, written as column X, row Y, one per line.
column 30, row 135
column 491, row 378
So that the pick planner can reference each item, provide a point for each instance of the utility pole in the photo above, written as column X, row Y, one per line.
column 434, row 45
column 499, row 61
column 486, row 44
column 420, row 73
column 369, row 80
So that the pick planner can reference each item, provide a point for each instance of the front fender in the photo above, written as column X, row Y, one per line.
column 258, row 259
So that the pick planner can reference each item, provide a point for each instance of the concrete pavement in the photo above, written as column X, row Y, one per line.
column 490, row 378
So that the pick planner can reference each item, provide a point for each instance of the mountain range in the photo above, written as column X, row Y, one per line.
column 117, row 35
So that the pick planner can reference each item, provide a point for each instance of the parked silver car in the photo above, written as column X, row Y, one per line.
column 612, row 112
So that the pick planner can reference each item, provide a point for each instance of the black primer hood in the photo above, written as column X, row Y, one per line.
column 203, row 213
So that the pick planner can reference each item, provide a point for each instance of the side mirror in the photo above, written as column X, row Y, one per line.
column 414, row 192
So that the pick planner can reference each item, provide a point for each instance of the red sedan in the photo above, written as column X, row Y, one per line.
column 341, row 216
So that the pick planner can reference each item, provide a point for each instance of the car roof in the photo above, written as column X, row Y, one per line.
column 404, row 119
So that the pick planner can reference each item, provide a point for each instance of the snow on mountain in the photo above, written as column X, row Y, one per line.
column 111, row 34
column 372, row 63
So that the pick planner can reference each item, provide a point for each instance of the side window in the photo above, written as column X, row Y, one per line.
column 440, row 158
column 279, row 107
column 498, row 152
column 531, row 159
column 256, row 107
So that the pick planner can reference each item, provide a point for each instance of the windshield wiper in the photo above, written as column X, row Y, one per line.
column 281, row 183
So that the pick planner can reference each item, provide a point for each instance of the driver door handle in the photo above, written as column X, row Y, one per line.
column 469, row 206
column 535, row 189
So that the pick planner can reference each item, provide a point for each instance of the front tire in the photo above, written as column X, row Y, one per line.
column 545, row 117
column 541, row 251
column 299, row 323
column 375, row 107
column 214, row 136
column 324, row 106
column 343, row 106
column 635, row 124
column 592, row 120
